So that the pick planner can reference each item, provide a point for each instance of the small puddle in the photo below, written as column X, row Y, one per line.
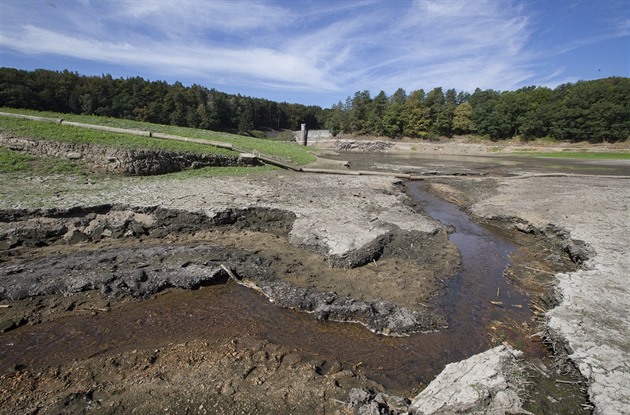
column 228, row 311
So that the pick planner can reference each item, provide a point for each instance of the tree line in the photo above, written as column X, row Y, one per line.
column 586, row 110
column 153, row 101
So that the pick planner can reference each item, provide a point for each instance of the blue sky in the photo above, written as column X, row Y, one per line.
column 321, row 51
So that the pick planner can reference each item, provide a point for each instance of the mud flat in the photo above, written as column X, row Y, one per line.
column 79, row 251
column 584, row 206
column 591, row 322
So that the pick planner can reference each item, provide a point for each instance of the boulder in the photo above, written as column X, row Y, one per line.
column 487, row 383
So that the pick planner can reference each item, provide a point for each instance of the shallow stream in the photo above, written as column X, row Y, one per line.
column 226, row 311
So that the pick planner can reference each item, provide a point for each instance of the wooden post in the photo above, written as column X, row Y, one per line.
column 304, row 135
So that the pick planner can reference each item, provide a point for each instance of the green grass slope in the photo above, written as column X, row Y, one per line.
column 283, row 151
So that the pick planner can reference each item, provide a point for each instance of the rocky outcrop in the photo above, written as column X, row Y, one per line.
column 486, row 383
column 134, row 162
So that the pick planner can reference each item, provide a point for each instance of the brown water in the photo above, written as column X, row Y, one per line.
column 485, row 253
column 228, row 310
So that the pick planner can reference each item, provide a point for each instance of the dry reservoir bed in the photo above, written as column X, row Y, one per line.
column 104, row 325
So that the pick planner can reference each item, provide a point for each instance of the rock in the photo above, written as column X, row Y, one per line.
column 75, row 236
column 486, row 383
column 335, row 367
column 136, row 228
column 395, row 404
column 97, row 233
column 523, row 227
column 73, row 156
column 358, row 396
column 7, row 325
column 117, row 233
column 367, row 402
column 9, row 242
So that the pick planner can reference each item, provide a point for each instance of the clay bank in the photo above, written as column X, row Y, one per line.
column 340, row 248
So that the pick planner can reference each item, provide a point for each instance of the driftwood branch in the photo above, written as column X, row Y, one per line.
column 230, row 273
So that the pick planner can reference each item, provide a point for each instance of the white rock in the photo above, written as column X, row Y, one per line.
column 486, row 383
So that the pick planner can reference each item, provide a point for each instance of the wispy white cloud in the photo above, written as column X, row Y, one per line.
column 256, row 64
column 330, row 47
column 182, row 17
column 458, row 44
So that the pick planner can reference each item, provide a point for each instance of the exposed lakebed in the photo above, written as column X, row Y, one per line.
column 475, row 297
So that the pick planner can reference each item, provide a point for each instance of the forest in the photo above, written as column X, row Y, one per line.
column 152, row 101
column 596, row 111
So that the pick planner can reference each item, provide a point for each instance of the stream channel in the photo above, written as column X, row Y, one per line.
column 224, row 311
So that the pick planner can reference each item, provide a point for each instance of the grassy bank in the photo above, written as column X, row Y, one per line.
column 289, row 152
column 69, row 133
column 15, row 162
column 11, row 161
